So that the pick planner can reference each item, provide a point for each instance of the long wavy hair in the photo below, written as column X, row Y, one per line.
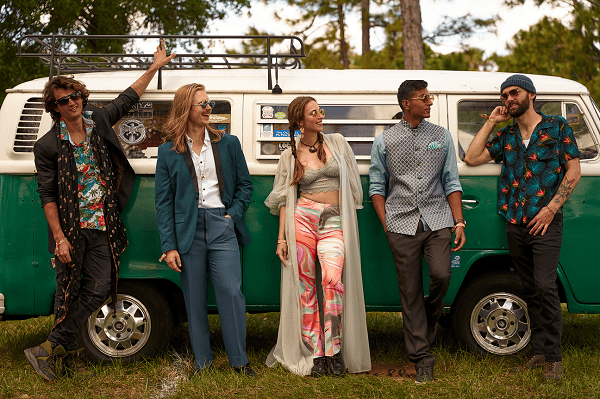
column 295, row 114
column 178, row 117
column 65, row 83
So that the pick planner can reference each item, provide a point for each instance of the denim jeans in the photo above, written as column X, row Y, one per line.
column 91, row 292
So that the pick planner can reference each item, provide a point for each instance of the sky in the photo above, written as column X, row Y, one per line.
column 432, row 14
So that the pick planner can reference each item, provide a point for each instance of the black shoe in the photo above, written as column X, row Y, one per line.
column 245, row 371
column 319, row 367
column 75, row 365
column 337, row 368
column 424, row 374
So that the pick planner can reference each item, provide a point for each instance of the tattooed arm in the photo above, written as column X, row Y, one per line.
column 542, row 220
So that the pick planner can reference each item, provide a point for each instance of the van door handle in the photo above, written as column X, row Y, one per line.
column 470, row 202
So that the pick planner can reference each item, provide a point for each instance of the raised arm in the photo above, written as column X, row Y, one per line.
column 160, row 59
column 477, row 154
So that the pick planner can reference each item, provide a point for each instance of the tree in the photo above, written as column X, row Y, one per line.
column 412, row 38
column 21, row 17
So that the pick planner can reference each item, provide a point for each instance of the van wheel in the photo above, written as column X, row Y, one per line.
column 490, row 315
column 141, row 327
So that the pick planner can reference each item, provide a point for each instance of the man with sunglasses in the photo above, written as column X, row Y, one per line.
column 540, row 169
column 417, row 196
column 84, row 181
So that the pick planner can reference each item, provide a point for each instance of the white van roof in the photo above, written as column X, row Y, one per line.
column 292, row 81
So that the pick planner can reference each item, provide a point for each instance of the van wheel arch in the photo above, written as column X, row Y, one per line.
column 490, row 315
column 141, row 327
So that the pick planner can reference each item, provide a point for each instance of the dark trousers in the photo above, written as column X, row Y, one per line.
column 536, row 260
column 93, row 289
column 418, row 312
column 215, row 253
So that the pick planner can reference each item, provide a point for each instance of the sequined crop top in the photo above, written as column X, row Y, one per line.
column 324, row 179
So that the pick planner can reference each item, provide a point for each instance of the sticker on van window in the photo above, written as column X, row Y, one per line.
column 285, row 133
column 132, row 132
column 267, row 130
column 283, row 146
column 140, row 110
column 222, row 127
column 267, row 112
column 280, row 115
column 219, row 118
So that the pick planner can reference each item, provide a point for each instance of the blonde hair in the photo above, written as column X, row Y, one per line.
column 295, row 113
column 178, row 117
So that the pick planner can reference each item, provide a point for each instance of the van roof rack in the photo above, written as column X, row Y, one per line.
column 53, row 51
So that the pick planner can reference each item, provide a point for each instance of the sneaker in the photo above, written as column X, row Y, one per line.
column 533, row 362
column 553, row 371
column 46, row 361
column 424, row 374
column 319, row 367
column 75, row 365
column 336, row 365
column 245, row 371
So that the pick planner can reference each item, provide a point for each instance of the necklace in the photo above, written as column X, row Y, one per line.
column 311, row 148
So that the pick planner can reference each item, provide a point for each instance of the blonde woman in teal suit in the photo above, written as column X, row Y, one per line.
column 202, row 190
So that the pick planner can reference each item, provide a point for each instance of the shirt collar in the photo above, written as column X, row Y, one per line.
column 190, row 141
column 409, row 125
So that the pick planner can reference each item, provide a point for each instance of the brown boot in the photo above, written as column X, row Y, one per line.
column 533, row 362
column 75, row 365
column 553, row 371
column 46, row 361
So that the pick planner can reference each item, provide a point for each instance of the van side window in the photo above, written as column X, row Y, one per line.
column 141, row 131
column 358, row 123
column 587, row 147
column 470, row 121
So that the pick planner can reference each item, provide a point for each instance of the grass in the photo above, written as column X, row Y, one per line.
column 459, row 374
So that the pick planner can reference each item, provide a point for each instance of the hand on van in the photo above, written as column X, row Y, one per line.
column 173, row 260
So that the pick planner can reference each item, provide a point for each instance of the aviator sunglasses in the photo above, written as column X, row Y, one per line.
column 315, row 114
column 65, row 100
column 513, row 93
column 423, row 97
column 204, row 103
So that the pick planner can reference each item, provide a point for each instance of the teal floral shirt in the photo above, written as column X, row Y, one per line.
column 531, row 175
column 91, row 184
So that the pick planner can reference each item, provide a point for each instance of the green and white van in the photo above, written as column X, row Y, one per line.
column 484, row 302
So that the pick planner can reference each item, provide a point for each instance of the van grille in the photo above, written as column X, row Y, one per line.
column 29, row 125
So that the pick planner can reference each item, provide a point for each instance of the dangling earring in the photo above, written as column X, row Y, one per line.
column 301, row 132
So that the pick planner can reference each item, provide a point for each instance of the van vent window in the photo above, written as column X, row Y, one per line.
column 360, row 124
column 29, row 125
column 588, row 149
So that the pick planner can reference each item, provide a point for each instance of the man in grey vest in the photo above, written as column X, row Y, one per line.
column 417, row 195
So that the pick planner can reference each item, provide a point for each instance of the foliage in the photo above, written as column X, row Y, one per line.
column 22, row 17
column 551, row 48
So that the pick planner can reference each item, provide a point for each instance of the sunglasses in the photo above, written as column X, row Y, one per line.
column 513, row 93
column 204, row 103
column 65, row 100
column 315, row 113
column 423, row 97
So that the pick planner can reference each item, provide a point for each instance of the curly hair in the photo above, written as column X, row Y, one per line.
column 65, row 83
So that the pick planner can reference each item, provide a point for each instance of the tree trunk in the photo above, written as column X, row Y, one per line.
column 366, row 29
column 412, row 39
column 343, row 43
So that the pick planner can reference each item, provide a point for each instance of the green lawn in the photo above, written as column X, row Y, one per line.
column 459, row 374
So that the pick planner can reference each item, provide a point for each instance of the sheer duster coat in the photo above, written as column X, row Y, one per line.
column 290, row 350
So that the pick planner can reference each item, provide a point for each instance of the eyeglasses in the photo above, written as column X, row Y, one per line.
column 204, row 103
column 513, row 93
column 65, row 100
column 315, row 113
column 423, row 97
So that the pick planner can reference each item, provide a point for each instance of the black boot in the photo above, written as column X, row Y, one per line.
column 320, row 367
column 337, row 368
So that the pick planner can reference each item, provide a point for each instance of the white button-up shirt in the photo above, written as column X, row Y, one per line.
column 206, row 173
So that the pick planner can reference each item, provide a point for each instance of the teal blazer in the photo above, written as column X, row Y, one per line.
column 176, row 192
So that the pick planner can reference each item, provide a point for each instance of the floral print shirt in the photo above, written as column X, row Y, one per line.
column 91, row 184
column 531, row 175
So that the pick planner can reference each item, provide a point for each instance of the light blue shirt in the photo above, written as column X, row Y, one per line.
column 379, row 175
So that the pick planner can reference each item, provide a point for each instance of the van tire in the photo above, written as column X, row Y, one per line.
column 141, row 328
column 490, row 315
